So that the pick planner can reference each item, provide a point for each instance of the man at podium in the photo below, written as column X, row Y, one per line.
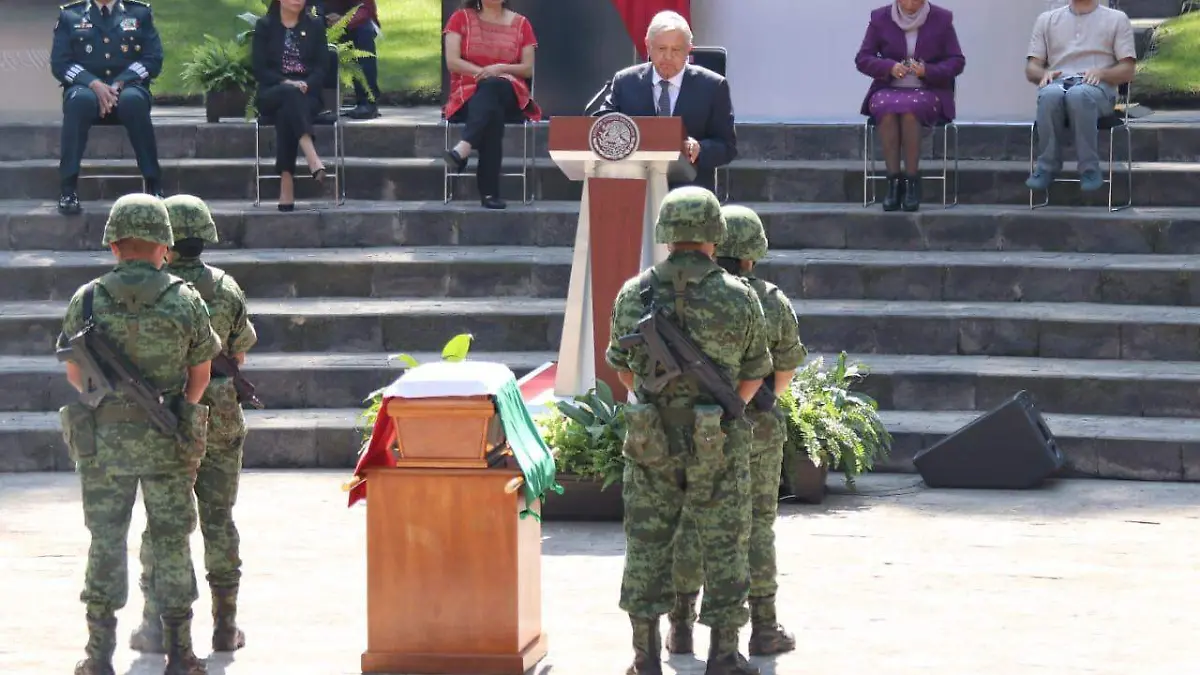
column 670, row 86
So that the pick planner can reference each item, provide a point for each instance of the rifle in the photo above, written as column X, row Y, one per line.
column 674, row 352
column 224, row 365
column 106, row 369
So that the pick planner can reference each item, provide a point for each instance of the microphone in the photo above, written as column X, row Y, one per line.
column 587, row 109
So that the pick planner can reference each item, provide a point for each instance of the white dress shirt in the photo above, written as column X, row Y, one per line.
column 673, row 92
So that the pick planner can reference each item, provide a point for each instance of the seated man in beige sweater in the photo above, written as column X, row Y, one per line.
column 1078, row 56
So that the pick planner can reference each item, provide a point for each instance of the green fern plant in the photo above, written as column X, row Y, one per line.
column 455, row 350
column 218, row 65
column 587, row 435
column 829, row 423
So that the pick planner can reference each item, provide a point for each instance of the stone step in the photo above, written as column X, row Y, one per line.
column 283, row 380
column 288, row 381
column 1046, row 329
column 35, row 225
column 191, row 138
column 1150, row 9
column 1102, row 447
column 343, row 325
column 1155, row 184
column 813, row 274
column 1061, row 386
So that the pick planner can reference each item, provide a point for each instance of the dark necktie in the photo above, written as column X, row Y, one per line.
column 664, row 99
column 104, row 12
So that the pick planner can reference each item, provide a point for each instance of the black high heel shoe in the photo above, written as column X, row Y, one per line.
column 454, row 162
column 318, row 174
column 287, row 208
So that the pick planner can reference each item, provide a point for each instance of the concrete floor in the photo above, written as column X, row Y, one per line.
column 1081, row 577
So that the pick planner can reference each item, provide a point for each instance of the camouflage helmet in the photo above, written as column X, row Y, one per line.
column 745, row 238
column 139, row 216
column 689, row 214
column 190, row 218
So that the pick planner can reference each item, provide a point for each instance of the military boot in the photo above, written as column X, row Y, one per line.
column 682, row 618
column 767, row 637
column 647, row 647
column 227, row 637
column 148, row 637
column 181, row 660
column 724, row 657
column 102, row 642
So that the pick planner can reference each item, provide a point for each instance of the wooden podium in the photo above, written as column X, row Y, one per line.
column 453, row 572
column 624, row 162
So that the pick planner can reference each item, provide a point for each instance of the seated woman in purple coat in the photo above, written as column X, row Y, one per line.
column 911, row 52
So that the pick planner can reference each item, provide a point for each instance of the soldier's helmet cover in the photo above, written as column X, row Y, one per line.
column 139, row 216
column 690, row 214
column 190, row 218
column 745, row 238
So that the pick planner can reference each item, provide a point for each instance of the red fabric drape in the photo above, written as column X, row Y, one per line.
column 637, row 14
column 378, row 453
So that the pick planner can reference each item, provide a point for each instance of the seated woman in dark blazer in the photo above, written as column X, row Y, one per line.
column 911, row 52
column 290, row 58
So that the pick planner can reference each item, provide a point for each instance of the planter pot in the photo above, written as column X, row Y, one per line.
column 805, row 480
column 228, row 103
column 583, row 500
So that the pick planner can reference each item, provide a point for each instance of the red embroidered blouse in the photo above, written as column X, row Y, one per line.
column 486, row 44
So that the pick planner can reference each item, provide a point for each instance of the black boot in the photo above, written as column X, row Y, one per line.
column 682, row 618
column 181, row 660
column 102, row 642
column 767, row 637
column 647, row 647
column 227, row 637
column 154, row 188
column 895, row 193
column 724, row 657
column 912, row 193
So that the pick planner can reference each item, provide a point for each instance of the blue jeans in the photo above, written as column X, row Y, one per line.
column 1080, row 107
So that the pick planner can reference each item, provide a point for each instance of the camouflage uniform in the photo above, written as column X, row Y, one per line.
column 162, row 325
column 679, row 453
column 746, row 240
column 217, row 483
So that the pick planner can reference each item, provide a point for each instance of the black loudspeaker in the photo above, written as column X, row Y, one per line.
column 1009, row 448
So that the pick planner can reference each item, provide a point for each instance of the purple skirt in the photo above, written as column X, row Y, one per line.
column 922, row 103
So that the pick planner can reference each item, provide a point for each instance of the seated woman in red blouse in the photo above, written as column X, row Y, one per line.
column 489, row 53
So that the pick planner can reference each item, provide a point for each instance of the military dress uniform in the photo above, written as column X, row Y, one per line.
column 116, row 44
column 161, row 324
column 217, row 482
column 746, row 240
column 680, row 453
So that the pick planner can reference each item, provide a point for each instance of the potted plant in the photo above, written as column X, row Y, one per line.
column 221, row 71
column 829, row 426
column 349, row 69
column 586, row 436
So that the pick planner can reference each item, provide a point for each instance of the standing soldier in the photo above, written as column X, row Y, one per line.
column 154, row 328
column 680, row 452
column 743, row 246
column 217, row 482
column 105, row 54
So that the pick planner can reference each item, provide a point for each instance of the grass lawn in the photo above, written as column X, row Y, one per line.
column 410, row 49
column 1173, row 72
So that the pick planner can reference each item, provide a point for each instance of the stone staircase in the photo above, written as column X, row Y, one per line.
column 953, row 309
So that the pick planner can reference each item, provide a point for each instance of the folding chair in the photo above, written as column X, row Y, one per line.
column 870, row 176
column 528, row 153
column 715, row 59
column 1117, row 120
column 333, row 83
column 110, row 121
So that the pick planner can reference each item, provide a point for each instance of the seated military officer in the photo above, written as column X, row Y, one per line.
column 105, row 54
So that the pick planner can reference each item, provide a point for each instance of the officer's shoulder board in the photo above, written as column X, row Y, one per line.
column 72, row 5
column 139, row 3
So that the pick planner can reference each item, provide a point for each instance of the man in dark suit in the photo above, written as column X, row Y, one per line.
column 698, row 95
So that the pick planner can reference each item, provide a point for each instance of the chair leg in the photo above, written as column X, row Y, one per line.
column 257, row 165
column 868, row 166
column 445, row 170
column 945, row 165
column 956, row 172
column 1128, row 169
column 1032, row 165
